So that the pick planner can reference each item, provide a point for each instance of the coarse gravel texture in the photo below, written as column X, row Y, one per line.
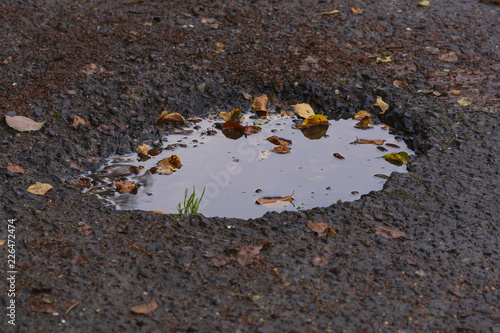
column 82, row 266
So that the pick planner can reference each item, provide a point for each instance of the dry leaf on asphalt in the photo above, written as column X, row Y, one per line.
column 390, row 233
column 321, row 229
column 145, row 308
column 246, row 255
column 303, row 110
column 381, row 104
column 15, row 168
column 318, row 261
column 23, row 124
column 331, row 12
column 39, row 188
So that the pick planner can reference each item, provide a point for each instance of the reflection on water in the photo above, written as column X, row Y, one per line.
column 236, row 172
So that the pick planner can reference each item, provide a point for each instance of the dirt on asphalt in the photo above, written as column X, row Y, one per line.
column 84, row 266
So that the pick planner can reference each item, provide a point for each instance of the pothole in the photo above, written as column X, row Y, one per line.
column 308, row 168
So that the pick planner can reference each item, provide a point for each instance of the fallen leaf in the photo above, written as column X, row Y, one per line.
column 157, row 212
column 39, row 188
column 143, row 149
column 125, row 186
column 397, row 158
column 368, row 142
column 340, row 157
column 379, row 175
column 246, row 255
column 85, row 229
column 454, row 91
column 424, row 3
column 170, row 117
column 362, row 114
column 15, row 168
column 449, row 57
column 260, row 103
column 145, row 308
column 2, row 242
column 6, row 61
column 23, row 124
column 282, row 150
column 277, row 141
column 365, row 122
column 497, row 1
column 77, row 121
column 321, row 229
column 320, row 261
column 92, row 69
column 263, row 201
column 356, row 10
column 390, row 233
column 386, row 59
column 317, row 119
column 249, row 130
column 335, row 11
column 464, row 101
column 169, row 165
column 381, row 104
column 256, row 297
column 392, row 145
column 247, row 95
column 232, row 130
column 381, row 148
column 234, row 115
column 304, row 110
column 399, row 84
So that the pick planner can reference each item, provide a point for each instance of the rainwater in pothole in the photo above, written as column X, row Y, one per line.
column 322, row 167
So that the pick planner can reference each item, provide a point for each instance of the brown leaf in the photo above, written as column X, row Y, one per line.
column 145, row 308
column 282, row 150
column 251, row 130
column 277, row 141
column 303, row 110
column 169, row 165
column 84, row 229
column 6, row 61
column 79, row 120
column 260, row 103
column 39, row 188
column 23, row 124
column 321, row 229
column 362, row 114
column 382, row 105
column 15, row 168
column 400, row 84
column 340, row 157
column 449, row 57
column 263, row 201
column 92, row 69
column 390, row 233
column 166, row 117
column 143, row 149
column 368, row 142
column 247, row 95
column 318, row 261
column 246, row 255
column 125, row 186
column 157, row 212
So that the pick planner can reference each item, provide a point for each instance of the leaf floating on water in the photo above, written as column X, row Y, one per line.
column 263, row 201
column 125, row 186
column 249, row 130
column 277, row 141
column 260, row 103
column 397, row 158
column 234, row 115
column 143, row 149
column 321, row 229
column 169, row 165
column 392, row 145
column 303, row 110
column 379, row 175
column 282, row 150
column 340, row 157
column 232, row 130
column 369, row 142
column 382, row 105
column 362, row 114
column 381, row 148
column 23, row 124
column 145, row 308
column 364, row 123
column 39, row 188
column 390, row 233
column 170, row 117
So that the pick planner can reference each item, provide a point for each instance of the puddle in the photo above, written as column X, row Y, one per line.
column 237, row 172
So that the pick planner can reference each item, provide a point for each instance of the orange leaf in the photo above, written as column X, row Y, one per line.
column 356, row 10
column 145, row 308
column 234, row 115
column 282, row 150
column 251, row 130
column 368, row 142
column 143, row 149
column 277, row 141
column 125, row 186
column 260, row 103
column 169, row 165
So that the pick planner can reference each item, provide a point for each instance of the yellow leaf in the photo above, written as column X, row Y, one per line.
column 362, row 114
column 234, row 115
column 330, row 13
column 424, row 3
column 365, row 122
column 125, row 186
column 169, row 165
column 397, row 158
column 304, row 110
column 356, row 10
column 386, row 59
column 381, row 104
column 455, row 92
column 317, row 119
column 143, row 149
column 464, row 101
column 260, row 103
column 263, row 201
column 39, row 188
